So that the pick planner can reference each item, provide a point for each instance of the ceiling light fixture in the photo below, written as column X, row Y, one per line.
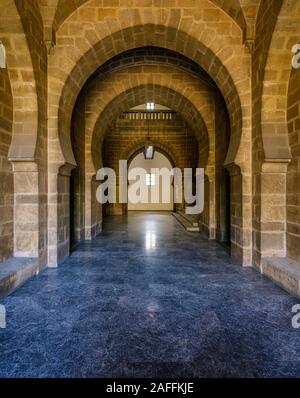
column 149, row 147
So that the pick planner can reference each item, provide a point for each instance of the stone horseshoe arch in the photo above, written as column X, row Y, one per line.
column 139, row 94
column 102, row 93
column 138, row 147
column 276, row 83
column 148, row 35
column 65, row 9
column 22, row 79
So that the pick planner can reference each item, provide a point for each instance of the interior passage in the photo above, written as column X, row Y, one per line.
column 149, row 299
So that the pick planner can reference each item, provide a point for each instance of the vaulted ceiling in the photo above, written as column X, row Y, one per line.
column 55, row 12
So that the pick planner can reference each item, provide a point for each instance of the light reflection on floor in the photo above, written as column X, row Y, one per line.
column 148, row 299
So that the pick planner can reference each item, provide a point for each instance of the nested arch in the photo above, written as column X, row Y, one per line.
column 84, row 44
column 71, row 66
column 153, row 56
column 160, row 147
column 140, row 94
column 276, row 82
column 150, row 36
column 172, row 88
column 22, row 80
column 65, row 8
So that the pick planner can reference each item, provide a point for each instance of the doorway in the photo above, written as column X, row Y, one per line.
column 153, row 182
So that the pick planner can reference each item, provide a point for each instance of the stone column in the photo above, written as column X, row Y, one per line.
column 26, row 209
column 272, row 237
column 212, row 207
column 88, row 207
column 58, row 214
column 240, row 211
column 93, row 209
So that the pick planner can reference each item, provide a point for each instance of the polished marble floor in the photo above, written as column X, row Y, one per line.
column 147, row 299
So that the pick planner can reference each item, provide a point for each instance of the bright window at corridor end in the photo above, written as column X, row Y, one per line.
column 150, row 179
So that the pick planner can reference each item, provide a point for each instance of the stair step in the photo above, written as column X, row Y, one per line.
column 185, row 223
column 15, row 271
column 284, row 272
column 190, row 218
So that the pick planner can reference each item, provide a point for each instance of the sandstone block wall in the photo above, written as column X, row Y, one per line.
column 171, row 137
column 111, row 55
column 6, row 174
column 293, row 173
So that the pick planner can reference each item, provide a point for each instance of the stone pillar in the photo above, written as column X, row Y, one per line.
column 58, row 215
column 26, row 209
column 240, row 211
column 88, row 207
column 93, row 209
column 52, row 219
column 272, row 234
column 212, row 207
column 97, row 215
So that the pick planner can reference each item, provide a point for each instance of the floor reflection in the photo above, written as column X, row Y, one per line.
column 148, row 299
column 150, row 240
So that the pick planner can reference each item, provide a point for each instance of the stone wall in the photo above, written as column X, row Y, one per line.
column 181, row 53
column 171, row 137
column 293, row 175
column 93, row 35
column 6, row 174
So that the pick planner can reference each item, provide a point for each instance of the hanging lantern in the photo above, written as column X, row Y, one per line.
column 2, row 56
column 149, row 147
column 149, row 150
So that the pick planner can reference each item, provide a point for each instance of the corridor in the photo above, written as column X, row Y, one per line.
column 148, row 299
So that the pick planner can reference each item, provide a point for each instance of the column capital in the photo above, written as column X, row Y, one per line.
column 233, row 169
column 275, row 166
column 21, row 165
column 66, row 169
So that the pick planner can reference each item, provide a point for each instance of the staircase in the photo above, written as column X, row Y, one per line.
column 188, row 221
column 285, row 272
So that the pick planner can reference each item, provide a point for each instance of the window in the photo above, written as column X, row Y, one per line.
column 150, row 106
column 150, row 180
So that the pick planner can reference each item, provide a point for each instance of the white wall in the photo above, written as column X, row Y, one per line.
column 159, row 161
